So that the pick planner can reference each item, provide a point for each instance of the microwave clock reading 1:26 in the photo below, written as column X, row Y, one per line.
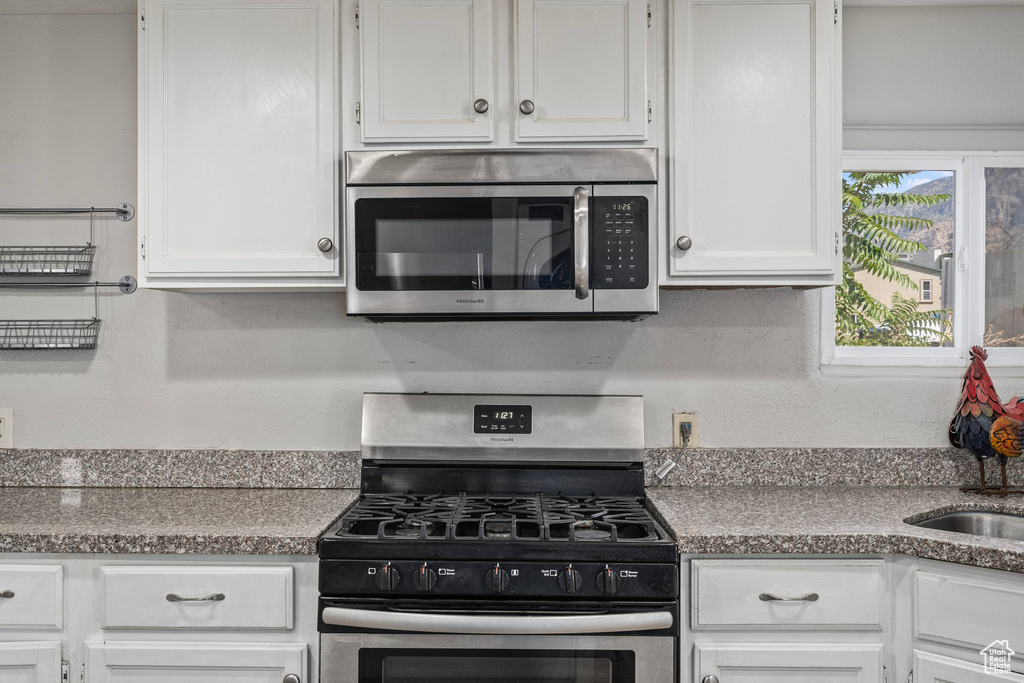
column 622, row 207
column 502, row 419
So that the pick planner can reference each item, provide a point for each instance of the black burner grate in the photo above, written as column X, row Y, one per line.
column 513, row 517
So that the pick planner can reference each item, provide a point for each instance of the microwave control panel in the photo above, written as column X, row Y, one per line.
column 620, row 233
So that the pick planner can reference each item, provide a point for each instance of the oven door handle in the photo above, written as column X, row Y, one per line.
column 500, row 625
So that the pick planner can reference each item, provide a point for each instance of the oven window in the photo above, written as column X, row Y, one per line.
column 464, row 243
column 496, row 666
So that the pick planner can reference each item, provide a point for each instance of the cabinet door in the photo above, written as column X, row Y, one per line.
column 785, row 663
column 32, row 662
column 755, row 142
column 238, row 141
column 582, row 65
column 929, row 668
column 424, row 66
column 145, row 662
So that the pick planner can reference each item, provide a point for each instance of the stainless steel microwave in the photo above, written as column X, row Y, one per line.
column 501, row 234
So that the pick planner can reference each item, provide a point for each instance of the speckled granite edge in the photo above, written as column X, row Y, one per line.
column 158, row 544
column 179, row 468
column 340, row 469
column 822, row 467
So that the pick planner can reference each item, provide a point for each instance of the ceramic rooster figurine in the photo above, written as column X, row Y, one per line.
column 985, row 426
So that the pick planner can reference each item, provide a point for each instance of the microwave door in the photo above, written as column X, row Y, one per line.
column 436, row 251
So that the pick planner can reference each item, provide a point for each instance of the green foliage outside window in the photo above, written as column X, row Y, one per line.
column 872, row 242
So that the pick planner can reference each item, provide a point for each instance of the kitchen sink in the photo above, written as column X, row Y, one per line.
column 979, row 523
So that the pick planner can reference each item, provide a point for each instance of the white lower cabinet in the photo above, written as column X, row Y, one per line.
column 929, row 668
column 194, row 662
column 158, row 619
column 30, row 662
column 786, row 662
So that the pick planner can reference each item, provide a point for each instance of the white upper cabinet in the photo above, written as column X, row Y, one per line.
column 427, row 70
column 445, row 71
column 755, row 143
column 580, row 70
column 238, row 141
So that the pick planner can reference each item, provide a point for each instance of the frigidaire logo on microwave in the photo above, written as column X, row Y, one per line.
column 469, row 301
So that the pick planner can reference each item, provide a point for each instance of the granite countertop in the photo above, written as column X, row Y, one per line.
column 808, row 519
column 168, row 520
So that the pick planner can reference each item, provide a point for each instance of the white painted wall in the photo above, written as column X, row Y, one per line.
column 286, row 371
column 933, row 77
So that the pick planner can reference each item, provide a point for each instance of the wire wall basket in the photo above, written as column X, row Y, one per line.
column 70, row 260
column 49, row 334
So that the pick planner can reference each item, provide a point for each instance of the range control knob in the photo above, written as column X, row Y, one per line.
column 607, row 581
column 570, row 580
column 424, row 579
column 387, row 577
column 497, row 579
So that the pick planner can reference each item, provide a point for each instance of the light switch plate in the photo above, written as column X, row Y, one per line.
column 6, row 428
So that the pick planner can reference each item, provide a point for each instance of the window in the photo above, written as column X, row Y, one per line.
column 933, row 250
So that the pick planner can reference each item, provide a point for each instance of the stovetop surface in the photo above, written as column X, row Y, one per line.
column 511, row 518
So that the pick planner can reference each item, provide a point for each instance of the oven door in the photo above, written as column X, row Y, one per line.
column 468, row 250
column 459, row 658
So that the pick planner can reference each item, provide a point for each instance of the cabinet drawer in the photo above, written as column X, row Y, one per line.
column 196, row 597
column 34, row 596
column 967, row 612
column 727, row 594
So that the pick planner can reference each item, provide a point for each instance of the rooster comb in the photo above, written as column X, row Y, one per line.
column 979, row 352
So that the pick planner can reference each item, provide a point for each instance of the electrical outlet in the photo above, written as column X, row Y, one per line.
column 6, row 428
column 684, row 430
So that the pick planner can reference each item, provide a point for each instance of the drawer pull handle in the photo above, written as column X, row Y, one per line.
column 215, row 597
column 6, row 594
column 768, row 597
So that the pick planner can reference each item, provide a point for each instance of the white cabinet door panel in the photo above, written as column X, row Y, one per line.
column 582, row 63
column 194, row 662
column 31, row 662
column 788, row 663
column 929, row 668
column 754, row 139
column 424, row 65
column 240, row 149
column 33, row 596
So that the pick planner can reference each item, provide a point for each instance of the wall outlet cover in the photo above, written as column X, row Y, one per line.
column 6, row 427
column 684, row 430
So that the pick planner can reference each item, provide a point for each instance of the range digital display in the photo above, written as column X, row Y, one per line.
column 502, row 419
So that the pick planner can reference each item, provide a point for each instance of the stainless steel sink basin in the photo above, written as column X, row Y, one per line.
column 991, row 524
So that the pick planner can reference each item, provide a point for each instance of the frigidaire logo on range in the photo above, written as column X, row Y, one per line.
column 502, row 438
column 469, row 301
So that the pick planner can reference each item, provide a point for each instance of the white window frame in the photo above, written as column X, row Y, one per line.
column 840, row 359
column 921, row 289
column 998, row 357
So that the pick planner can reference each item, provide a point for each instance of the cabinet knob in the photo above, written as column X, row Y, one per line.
column 291, row 678
column 526, row 106
column 480, row 106
column 325, row 244
column 684, row 243
column 709, row 679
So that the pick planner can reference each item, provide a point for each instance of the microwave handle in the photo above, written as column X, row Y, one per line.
column 501, row 625
column 581, row 238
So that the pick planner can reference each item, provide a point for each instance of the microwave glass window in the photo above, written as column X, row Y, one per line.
column 496, row 666
column 465, row 243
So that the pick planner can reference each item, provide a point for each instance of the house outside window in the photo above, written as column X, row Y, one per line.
column 965, row 282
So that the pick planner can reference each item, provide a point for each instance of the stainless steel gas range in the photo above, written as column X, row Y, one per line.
column 499, row 539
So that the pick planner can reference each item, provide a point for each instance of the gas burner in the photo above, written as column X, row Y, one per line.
column 493, row 517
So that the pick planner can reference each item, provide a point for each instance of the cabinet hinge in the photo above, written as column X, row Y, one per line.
column 885, row 674
column 142, row 247
column 835, row 13
column 839, row 242
column 358, row 116
column 357, row 16
column 648, row 15
column 65, row 671
column 650, row 111
column 142, row 20
column 961, row 258
column 910, row 676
